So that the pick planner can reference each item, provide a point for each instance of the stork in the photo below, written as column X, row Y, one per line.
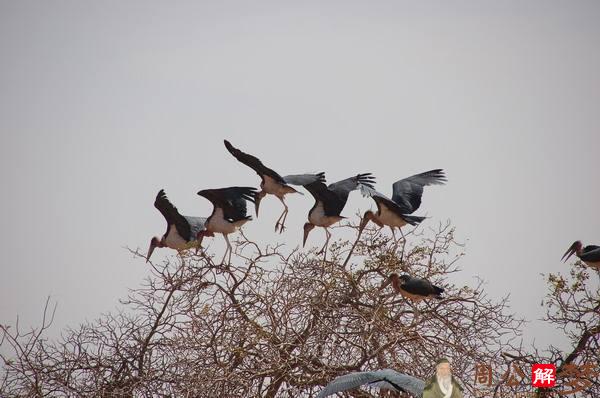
column 181, row 231
column 406, row 198
column 413, row 288
column 330, row 201
column 590, row 254
column 229, row 212
column 272, row 183
column 385, row 379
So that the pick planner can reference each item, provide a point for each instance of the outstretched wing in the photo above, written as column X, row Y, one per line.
column 304, row 179
column 407, row 192
column 343, row 188
column 332, row 205
column 171, row 214
column 385, row 378
column 253, row 162
column 232, row 200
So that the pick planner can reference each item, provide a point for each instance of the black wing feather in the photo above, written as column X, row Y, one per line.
column 232, row 200
column 171, row 214
column 407, row 192
column 332, row 204
column 253, row 162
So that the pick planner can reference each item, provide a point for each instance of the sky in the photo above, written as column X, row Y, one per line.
column 104, row 103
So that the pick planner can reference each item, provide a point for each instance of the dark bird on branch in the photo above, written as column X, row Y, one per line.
column 413, row 288
column 590, row 254
column 229, row 212
column 182, row 231
column 406, row 198
column 330, row 201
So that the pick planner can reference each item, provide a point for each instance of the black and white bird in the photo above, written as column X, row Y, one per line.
column 406, row 198
column 387, row 379
column 272, row 183
column 590, row 254
column 413, row 288
column 229, row 212
column 182, row 231
column 330, row 201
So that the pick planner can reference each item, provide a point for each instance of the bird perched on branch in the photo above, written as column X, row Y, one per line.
column 385, row 379
column 229, row 212
column 590, row 254
column 413, row 288
column 330, row 201
column 406, row 198
column 182, row 231
column 272, row 183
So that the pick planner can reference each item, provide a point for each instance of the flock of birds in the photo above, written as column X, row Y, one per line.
column 230, row 213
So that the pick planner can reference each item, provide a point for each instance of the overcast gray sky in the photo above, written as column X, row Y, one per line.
column 103, row 103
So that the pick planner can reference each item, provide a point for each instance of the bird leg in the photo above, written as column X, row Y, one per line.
column 326, row 245
column 227, row 250
column 281, row 223
column 395, row 240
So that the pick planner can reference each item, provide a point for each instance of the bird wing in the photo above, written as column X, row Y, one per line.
column 380, row 199
column 171, row 214
column 197, row 224
column 253, row 162
column 385, row 378
column 591, row 253
column 343, row 188
column 408, row 191
column 304, row 179
column 332, row 204
column 232, row 200
column 422, row 287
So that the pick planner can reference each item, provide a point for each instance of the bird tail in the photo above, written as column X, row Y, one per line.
column 413, row 220
column 438, row 292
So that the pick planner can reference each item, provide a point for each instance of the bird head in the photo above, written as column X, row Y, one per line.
column 396, row 280
column 154, row 243
column 574, row 249
column 307, row 228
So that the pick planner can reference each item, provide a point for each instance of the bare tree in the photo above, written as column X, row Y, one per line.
column 270, row 324
column 572, row 305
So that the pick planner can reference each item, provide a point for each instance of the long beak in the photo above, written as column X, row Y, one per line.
column 150, row 250
column 385, row 284
column 257, row 200
column 363, row 224
column 306, row 232
column 569, row 252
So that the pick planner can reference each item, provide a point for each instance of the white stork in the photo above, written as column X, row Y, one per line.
column 182, row 231
column 229, row 212
column 272, row 183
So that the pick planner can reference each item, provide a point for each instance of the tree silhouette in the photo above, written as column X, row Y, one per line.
column 275, row 324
